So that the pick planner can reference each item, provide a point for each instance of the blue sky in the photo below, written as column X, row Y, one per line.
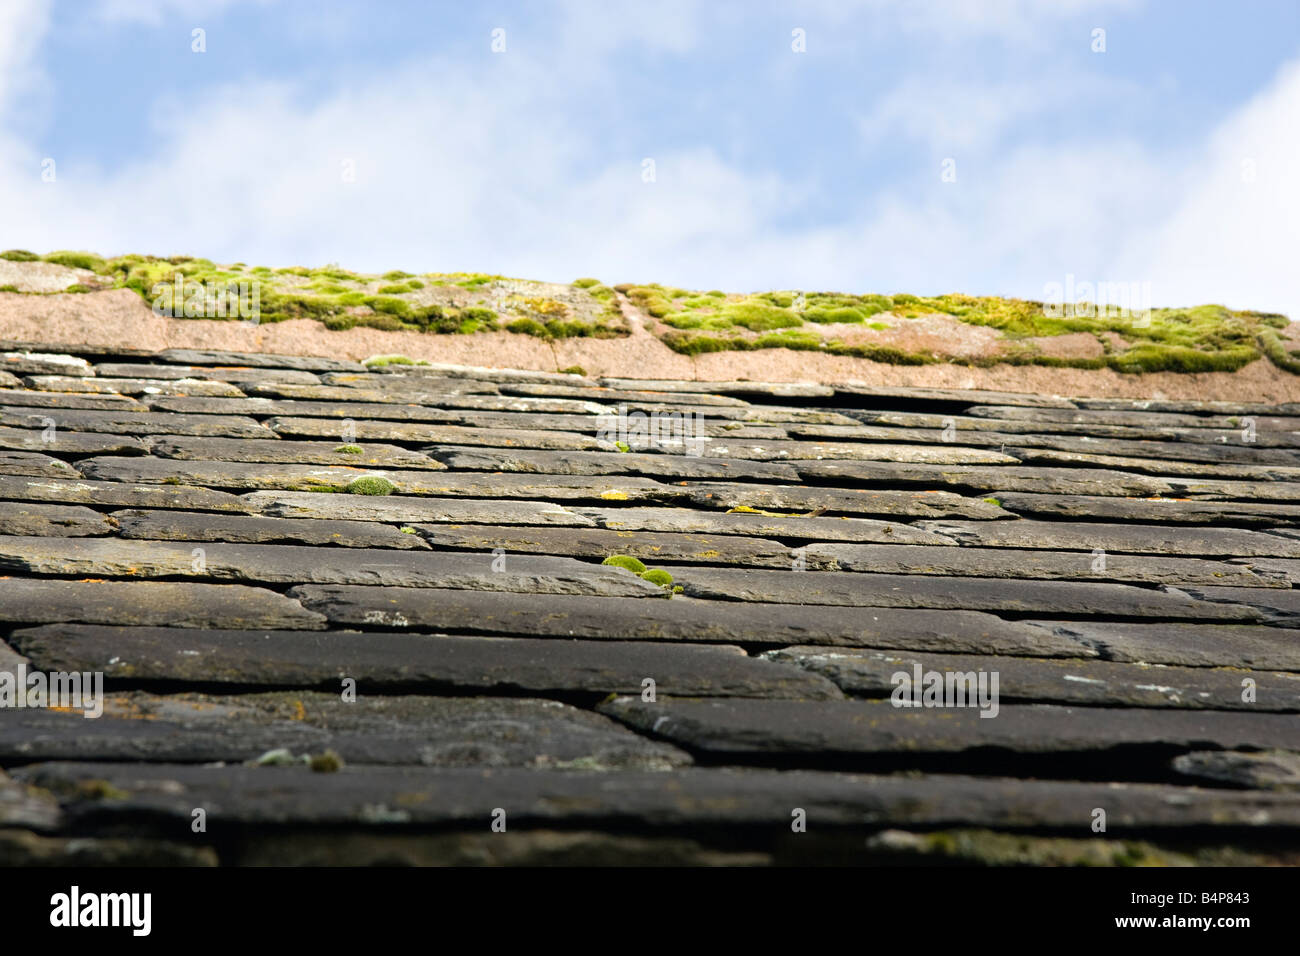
column 1173, row 157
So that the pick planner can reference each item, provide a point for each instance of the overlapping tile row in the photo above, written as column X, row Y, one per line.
column 336, row 675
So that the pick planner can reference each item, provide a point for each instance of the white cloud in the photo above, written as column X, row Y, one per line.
column 490, row 170
column 154, row 12
column 22, row 26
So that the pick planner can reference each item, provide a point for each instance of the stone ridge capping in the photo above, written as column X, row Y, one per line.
column 238, row 542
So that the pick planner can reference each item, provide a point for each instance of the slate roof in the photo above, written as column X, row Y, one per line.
column 180, row 522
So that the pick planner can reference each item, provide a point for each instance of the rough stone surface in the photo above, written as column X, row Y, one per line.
column 404, row 662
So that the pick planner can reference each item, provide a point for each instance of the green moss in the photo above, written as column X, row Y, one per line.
column 382, row 361
column 659, row 577
column 9, row 287
column 393, row 289
column 407, row 529
column 19, row 255
column 414, row 285
column 625, row 561
column 397, row 274
column 349, row 450
column 371, row 485
column 586, row 283
column 76, row 260
column 994, row 502
column 573, row 370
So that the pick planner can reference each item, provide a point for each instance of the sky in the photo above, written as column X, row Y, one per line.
column 992, row 147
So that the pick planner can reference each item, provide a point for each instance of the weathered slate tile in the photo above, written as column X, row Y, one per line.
column 133, row 386
column 136, row 423
column 443, row 370
column 1163, row 450
column 1184, row 407
column 255, row 529
column 764, row 449
column 295, row 409
column 176, row 604
column 44, row 363
column 225, row 474
column 863, row 501
column 25, row 848
column 410, row 510
column 276, row 451
column 962, row 396
column 829, row 728
column 599, row 543
column 702, row 434
column 1129, row 538
column 1275, row 604
column 328, row 393
column 1042, row 565
column 32, row 464
column 1176, row 510
column 758, row 389
column 606, row 463
column 210, row 373
column 1270, row 770
column 1288, row 568
column 984, row 847
column 869, row 673
column 118, row 495
column 307, row 363
column 1164, row 468
column 9, row 381
column 681, row 619
column 534, row 847
column 42, row 438
column 1078, row 481
column 980, row 594
column 289, row 564
column 1184, row 644
column 15, row 399
column 682, row 520
column 808, row 416
column 53, row 521
column 704, row 796
column 22, row 805
column 439, row 434
column 403, row 730
column 405, row 663
column 1141, row 419
column 596, row 393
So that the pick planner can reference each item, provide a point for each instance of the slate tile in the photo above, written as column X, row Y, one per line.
column 425, row 796
column 735, row 727
column 176, row 604
column 681, row 619
column 256, row 529
column 387, row 663
column 1095, row 683
column 53, row 521
column 404, row 730
column 980, row 594
column 1108, row 537
column 290, row 564
column 116, row 494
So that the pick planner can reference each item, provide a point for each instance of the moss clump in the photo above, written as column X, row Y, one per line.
column 371, row 485
column 393, row 289
column 8, row 287
column 625, row 561
column 573, row 370
column 76, row 260
column 383, row 361
column 349, row 450
column 407, row 529
column 19, row 255
column 586, row 283
column 327, row 762
column 659, row 577
column 414, row 285
column 397, row 274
